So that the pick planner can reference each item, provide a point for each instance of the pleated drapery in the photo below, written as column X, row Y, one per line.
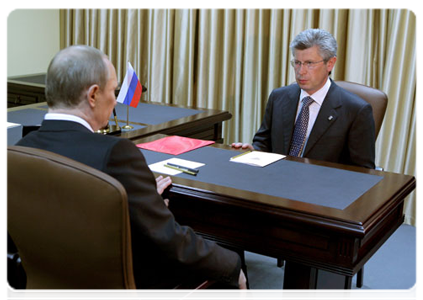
column 232, row 59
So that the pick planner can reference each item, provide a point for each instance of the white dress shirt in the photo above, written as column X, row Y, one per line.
column 68, row 117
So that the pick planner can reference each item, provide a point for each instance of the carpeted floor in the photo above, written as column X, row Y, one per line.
column 392, row 267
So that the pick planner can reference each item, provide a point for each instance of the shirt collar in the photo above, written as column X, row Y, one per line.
column 68, row 117
column 320, row 95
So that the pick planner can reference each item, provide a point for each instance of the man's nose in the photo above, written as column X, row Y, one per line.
column 302, row 69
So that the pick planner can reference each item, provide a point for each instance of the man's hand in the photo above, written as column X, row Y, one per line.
column 242, row 146
column 242, row 281
column 162, row 184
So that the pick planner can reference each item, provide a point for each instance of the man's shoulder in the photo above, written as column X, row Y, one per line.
column 291, row 91
column 348, row 98
column 119, row 144
column 73, row 136
column 291, row 88
column 87, row 139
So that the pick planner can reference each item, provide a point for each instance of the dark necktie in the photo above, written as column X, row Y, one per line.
column 300, row 129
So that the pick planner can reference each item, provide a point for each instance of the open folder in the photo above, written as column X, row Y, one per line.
column 174, row 145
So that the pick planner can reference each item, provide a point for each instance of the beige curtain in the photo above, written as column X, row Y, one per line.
column 232, row 59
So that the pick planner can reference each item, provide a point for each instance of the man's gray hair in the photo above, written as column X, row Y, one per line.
column 316, row 37
column 71, row 72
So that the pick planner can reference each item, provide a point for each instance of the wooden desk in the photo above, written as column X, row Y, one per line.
column 23, row 90
column 324, row 247
column 200, row 123
column 206, row 124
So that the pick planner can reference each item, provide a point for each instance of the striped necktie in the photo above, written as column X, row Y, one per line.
column 300, row 129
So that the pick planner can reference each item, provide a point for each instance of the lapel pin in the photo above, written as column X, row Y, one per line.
column 330, row 118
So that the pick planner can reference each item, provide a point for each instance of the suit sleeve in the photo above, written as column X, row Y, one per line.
column 361, row 139
column 262, row 139
column 156, row 224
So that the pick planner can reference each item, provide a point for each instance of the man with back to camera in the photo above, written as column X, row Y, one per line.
column 337, row 125
column 80, row 93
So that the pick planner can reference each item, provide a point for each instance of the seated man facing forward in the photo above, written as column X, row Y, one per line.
column 80, row 92
column 337, row 125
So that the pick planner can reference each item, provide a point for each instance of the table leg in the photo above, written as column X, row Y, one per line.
column 306, row 283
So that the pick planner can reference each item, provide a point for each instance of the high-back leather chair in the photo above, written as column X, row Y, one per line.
column 69, row 222
column 376, row 98
column 70, row 225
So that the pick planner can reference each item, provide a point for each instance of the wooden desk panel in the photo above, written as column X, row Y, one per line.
column 207, row 124
column 23, row 90
column 296, row 235
column 323, row 247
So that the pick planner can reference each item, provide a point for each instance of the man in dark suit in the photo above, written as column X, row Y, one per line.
column 339, row 126
column 80, row 92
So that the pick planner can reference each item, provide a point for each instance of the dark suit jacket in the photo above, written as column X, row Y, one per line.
column 344, row 131
column 161, row 247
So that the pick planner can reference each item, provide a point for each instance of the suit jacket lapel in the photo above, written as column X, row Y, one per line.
column 326, row 117
column 290, row 112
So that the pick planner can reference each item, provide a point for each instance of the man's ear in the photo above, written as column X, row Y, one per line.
column 331, row 63
column 92, row 94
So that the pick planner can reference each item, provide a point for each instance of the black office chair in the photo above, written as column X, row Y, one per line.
column 379, row 101
column 68, row 225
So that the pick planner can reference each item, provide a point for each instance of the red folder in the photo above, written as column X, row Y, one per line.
column 174, row 145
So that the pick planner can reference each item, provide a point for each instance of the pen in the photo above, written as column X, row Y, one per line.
column 184, row 170
column 182, row 167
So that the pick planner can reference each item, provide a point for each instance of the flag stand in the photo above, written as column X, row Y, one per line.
column 130, row 92
column 127, row 126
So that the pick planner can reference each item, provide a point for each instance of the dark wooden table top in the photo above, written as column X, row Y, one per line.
column 336, row 240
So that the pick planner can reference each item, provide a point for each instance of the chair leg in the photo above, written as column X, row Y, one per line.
column 281, row 262
column 16, row 275
column 360, row 275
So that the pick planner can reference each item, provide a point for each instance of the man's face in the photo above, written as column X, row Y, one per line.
column 107, row 99
column 313, row 78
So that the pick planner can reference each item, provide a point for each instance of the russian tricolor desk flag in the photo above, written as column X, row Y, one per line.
column 130, row 91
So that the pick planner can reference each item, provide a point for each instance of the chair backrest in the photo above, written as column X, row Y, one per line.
column 70, row 222
column 376, row 98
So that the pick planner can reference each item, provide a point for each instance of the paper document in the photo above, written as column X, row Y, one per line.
column 10, row 125
column 159, row 167
column 257, row 158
